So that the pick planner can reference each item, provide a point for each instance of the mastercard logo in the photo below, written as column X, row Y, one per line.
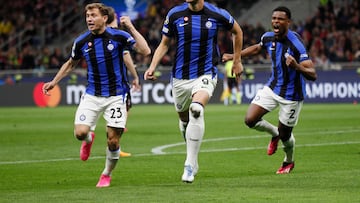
column 42, row 100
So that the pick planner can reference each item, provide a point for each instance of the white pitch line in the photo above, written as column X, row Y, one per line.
column 159, row 150
column 171, row 153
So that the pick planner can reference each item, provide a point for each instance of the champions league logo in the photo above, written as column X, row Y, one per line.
column 130, row 11
column 130, row 5
column 132, row 8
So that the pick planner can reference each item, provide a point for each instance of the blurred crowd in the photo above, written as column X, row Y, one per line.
column 33, row 21
column 331, row 35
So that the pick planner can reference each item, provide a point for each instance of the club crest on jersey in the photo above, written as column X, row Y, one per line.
column 110, row 47
column 208, row 24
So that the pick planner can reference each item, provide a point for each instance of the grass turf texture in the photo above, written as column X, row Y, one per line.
column 39, row 158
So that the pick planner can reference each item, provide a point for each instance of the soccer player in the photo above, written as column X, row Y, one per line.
column 194, row 25
column 102, row 47
column 233, row 95
column 285, row 88
column 129, row 63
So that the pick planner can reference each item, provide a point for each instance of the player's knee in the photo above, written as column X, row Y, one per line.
column 250, row 122
column 113, row 145
column 80, row 134
column 285, row 137
column 113, row 136
column 196, row 110
column 81, row 131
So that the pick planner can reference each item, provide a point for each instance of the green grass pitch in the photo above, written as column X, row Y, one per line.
column 39, row 158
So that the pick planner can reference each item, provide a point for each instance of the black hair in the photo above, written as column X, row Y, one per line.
column 284, row 9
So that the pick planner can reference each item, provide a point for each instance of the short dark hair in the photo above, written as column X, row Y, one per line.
column 284, row 9
column 102, row 8
column 111, row 14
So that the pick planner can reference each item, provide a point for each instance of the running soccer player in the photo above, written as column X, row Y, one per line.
column 102, row 47
column 285, row 88
column 194, row 25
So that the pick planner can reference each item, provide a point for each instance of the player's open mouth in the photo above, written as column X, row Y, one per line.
column 276, row 28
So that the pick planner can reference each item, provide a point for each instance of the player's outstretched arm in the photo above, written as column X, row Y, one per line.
column 65, row 69
column 249, row 51
column 160, row 51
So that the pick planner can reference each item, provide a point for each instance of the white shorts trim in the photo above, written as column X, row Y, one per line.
column 184, row 89
column 91, row 107
column 289, row 110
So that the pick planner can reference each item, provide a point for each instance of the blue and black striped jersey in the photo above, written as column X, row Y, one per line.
column 107, row 74
column 197, row 52
column 285, row 81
